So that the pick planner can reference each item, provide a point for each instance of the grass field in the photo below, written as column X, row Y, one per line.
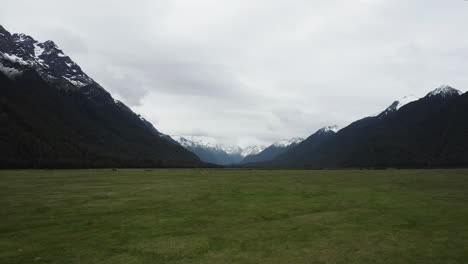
column 234, row 216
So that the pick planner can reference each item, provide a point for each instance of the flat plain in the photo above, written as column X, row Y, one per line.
column 233, row 216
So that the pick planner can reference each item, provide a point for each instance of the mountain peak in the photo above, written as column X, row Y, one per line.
column 22, row 37
column 45, row 57
column 49, row 44
column 329, row 129
column 208, row 149
column 252, row 150
column 395, row 106
column 212, row 143
column 405, row 100
column 288, row 142
column 444, row 91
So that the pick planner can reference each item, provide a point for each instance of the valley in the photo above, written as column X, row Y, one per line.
column 206, row 132
column 55, row 116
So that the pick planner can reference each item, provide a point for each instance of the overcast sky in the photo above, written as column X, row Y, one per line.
column 252, row 72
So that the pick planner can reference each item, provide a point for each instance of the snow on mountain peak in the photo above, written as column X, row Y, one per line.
column 288, row 142
column 195, row 141
column 15, row 59
column 38, row 49
column 9, row 72
column 395, row 106
column 251, row 150
column 21, row 51
column 328, row 129
column 406, row 100
column 444, row 91
column 212, row 143
column 22, row 38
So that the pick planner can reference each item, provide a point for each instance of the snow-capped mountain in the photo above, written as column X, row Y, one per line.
column 209, row 150
column 58, row 116
column 20, row 53
column 273, row 150
column 328, row 129
column 200, row 141
column 287, row 142
column 444, row 91
column 251, row 150
column 395, row 106
column 426, row 132
column 295, row 151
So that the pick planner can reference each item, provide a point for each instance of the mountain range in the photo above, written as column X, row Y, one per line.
column 272, row 151
column 208, row 150
column 426, row 132
column 53, row 115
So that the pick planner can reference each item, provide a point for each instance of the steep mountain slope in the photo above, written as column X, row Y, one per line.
column 424, row 133
column 300, row 151
column 271, row 152
column 209, row 151
column 251, row 150
column 395, row 106
column 53, row 115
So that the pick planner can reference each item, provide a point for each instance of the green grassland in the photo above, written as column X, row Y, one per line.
column 234, row 216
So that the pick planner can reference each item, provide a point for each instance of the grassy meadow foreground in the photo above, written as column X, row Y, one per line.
column 233, row 216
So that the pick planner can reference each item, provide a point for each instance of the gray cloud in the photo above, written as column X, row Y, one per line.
column 256, row 71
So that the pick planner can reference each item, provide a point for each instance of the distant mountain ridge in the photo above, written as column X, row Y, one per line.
column 271, row 152
column 427, row 132
column 54, row 115
column 210, row 151
column 399, row 104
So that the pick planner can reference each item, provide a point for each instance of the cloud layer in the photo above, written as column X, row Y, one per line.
column 249, row 72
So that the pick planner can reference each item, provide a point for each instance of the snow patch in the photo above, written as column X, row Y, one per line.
column 212, row 143
column 406, row 100
column 333, row 128
column 395, row 106
column 38, row 50
column 43, row 64
column 288, row 142
column 251, row 150
column 74, row 82
column 14, row 58
column 444, row 91
column 9, row 72
column 197, row 141
column 70, row 65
